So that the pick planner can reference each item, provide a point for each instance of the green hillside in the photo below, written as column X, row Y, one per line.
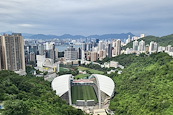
column 123, row 59
column 83, row 93
column 24, row 95
column 162, row 41
column 145, row 87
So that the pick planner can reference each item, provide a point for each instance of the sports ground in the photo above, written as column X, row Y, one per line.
column 80, row 92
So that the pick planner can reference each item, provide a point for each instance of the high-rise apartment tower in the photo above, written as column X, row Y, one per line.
column 12, row 52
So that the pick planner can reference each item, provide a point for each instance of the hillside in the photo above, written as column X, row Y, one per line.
column 162, row 41
column 145, row 86
column 24, row 95
column 122, row 59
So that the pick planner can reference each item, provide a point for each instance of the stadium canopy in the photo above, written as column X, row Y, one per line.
column 61, row 84
column 105, row 84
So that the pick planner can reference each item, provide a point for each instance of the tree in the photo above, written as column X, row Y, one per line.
column 16, row 107
column 143, row 88
column 25, row 95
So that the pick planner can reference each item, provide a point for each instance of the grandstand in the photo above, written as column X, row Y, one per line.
column 97, row 90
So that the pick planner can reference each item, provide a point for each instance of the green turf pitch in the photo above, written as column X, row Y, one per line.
column 83, row 93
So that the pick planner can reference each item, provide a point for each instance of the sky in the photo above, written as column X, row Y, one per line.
column 87, row 17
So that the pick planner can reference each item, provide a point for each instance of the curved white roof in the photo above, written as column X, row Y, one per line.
column 61, row 84
column 105, row 83
column 47, row 62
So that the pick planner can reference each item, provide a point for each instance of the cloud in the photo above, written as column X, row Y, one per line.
column 87, row 16
column 26, row 25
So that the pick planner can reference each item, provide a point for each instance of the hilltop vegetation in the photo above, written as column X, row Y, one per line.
column 123, row 59
column 145, row 86
column 26, row 95
column 162, row 41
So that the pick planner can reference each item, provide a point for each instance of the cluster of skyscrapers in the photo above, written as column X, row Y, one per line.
column 43, row 55
column 142, row 47
column 94, row 51
column 33, row 49
column 15, row 52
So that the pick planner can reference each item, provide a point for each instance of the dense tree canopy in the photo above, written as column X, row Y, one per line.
column 25, row 95
column 145, row 86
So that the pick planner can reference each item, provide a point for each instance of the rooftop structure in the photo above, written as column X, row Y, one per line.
column 62, row 86
column 105, row 84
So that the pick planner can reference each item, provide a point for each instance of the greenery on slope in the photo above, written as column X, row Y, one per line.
column 162, row 41
column 24, row 95
column 145, row 87
column 123, row 59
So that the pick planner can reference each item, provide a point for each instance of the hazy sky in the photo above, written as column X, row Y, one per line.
column 86, row 17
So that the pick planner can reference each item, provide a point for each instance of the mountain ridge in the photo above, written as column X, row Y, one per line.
column 69, row 36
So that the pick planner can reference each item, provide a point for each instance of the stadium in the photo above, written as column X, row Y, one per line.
column 94, row 91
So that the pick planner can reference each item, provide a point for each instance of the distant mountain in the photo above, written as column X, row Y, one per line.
column 65, row 36
column 8, row 32
column 69, row 36
column 26, row 35
column 41, row 36
column 112, row 36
